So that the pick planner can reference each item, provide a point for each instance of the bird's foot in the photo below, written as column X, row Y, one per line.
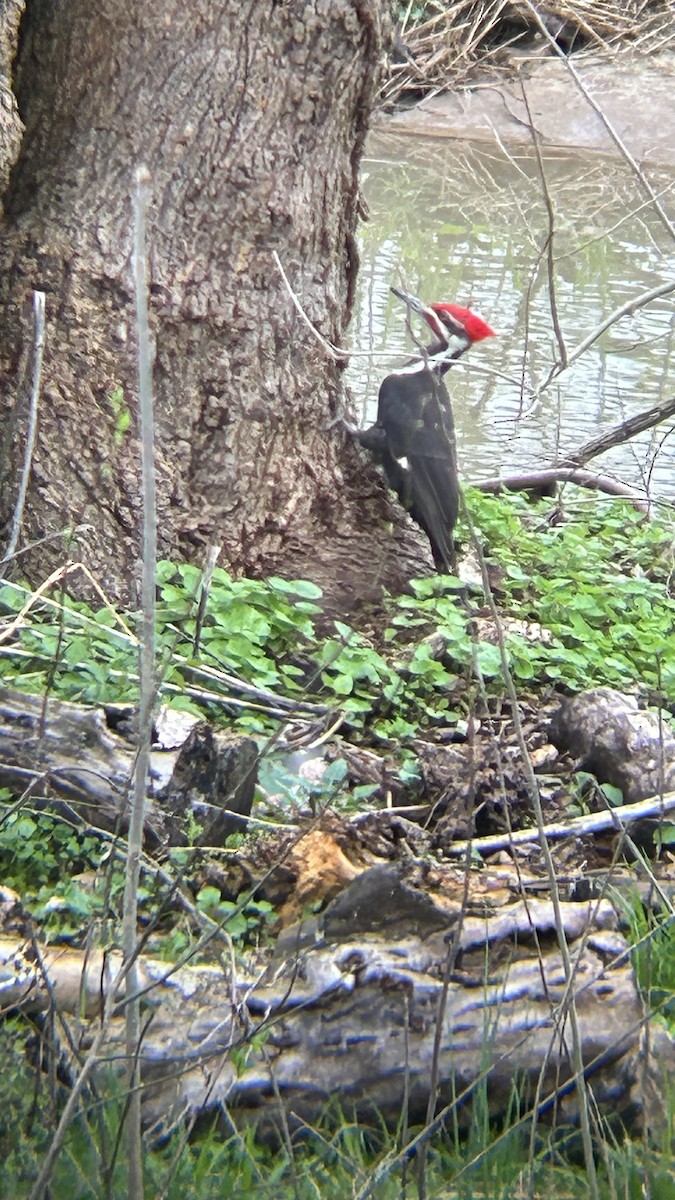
column 346, row 425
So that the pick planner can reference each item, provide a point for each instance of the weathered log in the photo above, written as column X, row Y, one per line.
column 543, row 482
column 67, row 757
column 348, row 1008
column 569, row 468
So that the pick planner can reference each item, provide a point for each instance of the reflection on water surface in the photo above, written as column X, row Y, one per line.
column 452, row 221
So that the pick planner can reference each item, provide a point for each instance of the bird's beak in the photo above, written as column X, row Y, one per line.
column 412, row 301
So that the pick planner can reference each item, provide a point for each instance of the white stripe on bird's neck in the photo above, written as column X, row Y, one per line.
column 433, row 361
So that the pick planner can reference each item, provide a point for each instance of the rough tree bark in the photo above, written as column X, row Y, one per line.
column 251, row 119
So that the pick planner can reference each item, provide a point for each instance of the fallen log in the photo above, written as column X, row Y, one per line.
column 543, row 480
column 348, row 1006
column 68, row 757
column 571, row 468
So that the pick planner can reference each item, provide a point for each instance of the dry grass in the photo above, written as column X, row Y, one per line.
column 458, row 36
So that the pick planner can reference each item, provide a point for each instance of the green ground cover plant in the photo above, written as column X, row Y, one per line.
column 585, row 594
column 591, row 591
column 585, row 600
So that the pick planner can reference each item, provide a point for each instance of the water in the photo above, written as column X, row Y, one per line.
column 451, row 221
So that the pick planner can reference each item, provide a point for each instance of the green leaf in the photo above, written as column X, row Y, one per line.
column 666, row 835
column 25, row 827
column 345, row 631
column 343, row 685
column 296, row 587
column 12, row 597
column 208, row 898
column 335, row 773
column 613, row 795
column 489, row 659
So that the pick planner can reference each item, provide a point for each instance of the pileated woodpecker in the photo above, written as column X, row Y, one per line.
column 413, row 438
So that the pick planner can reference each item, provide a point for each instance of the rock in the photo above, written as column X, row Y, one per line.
column 379, row 899
column 617, row 742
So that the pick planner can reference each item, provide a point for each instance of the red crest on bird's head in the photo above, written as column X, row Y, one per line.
column 476, row 328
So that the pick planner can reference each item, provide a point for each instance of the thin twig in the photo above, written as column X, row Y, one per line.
column 600, row 112
column 330, row 349
column 69, row 1113
column 569, row 1004
column 147, row 687
column 550, row 237
column 624, row 310
column 55, row 577
column 335, row 352
column 440, row 1032
column 204, row 589
column 38, row 351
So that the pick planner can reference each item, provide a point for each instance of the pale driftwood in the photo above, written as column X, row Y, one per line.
column 570, row 468
column 533, row 481
column 654, row 807
column 68, row 757
column 348, row 1006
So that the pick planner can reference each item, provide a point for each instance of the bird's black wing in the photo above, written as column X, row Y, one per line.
column 415, row 417
column 432, row 464
column 375, row 439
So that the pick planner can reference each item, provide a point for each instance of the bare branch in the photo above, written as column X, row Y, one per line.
column 38, row 350
column 335, row 353
column 528, row 481
column 570, row 468
column 613, row 818
column 550, row 213
column 147, row 687
column 567, row 1010
column 597, row 108
column 621, row 433
column 624, row 310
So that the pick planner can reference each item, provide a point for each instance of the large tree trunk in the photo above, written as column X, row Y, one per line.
column 251, row 119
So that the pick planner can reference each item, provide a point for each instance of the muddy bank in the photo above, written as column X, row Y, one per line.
column 573, row 103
